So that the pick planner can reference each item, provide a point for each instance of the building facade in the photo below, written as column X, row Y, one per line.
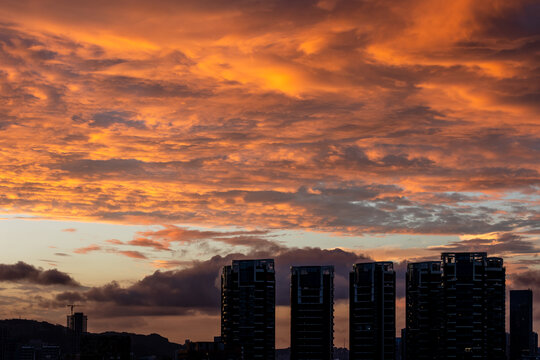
column 248, row 307
column 522, row 342
column 473, row 298
column 312, row 312
column 372, row 311
column 423, row 310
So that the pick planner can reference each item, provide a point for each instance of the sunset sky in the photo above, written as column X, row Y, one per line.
column 145, row 144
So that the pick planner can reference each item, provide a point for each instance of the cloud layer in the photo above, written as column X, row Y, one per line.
column 417, row 117
column 195, row 287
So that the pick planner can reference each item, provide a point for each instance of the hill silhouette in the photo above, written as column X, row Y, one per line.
column 16, row 333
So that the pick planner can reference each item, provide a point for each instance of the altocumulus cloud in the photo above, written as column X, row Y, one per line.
column 375, row 101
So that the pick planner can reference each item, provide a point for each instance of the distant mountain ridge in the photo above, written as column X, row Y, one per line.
column 18, row 332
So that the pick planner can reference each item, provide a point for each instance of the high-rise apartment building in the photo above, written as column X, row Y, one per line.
column 496, row 309
column 423, row 310
column 77, row 324
column 312, row 312
column 473, row 298
column 522, row 342
column 372, row 311
column 248, row 307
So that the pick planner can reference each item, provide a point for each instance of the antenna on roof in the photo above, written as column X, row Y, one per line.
column 71, row 306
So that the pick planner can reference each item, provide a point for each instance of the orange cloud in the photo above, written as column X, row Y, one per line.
column 237, row 117
column 132, row 254
column 87, row 249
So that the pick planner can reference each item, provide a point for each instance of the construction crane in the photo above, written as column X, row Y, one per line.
column 72, row 306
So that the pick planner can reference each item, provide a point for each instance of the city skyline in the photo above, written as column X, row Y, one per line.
column 146, row 145
column 455, row 309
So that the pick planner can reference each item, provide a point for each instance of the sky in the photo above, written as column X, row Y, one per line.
column 144, row 145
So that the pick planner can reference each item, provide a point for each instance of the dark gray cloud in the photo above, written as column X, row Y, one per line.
column 127, row 168
column 352, row 156
column 502, row 244
column 529, row 279
column 196, row 287
column 144, row 88
column 341, row 259
column 354, row 208
column 526, row 279
column 106, row 119
column 23, row 272
column 519, row 21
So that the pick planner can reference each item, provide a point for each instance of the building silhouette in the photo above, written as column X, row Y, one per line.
column 473, row 305
column 312, row 312
column 77, row 325
column 522, row 339
column 403, row 346
column 423, row 310
column 248, row 307
column 77, row 322
column 372, row 311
